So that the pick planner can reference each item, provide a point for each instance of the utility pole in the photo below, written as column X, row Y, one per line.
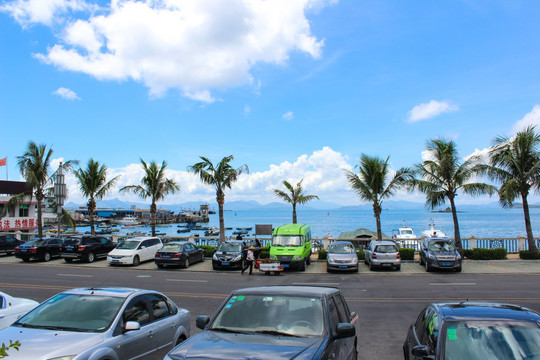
column 59, row 194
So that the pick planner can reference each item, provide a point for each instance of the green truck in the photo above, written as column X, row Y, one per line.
column 291, row 246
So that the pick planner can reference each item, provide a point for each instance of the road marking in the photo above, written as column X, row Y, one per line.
column 75, row 275
column 144, row 276
column 317, row 284
column 185, row 280
column 452, row 284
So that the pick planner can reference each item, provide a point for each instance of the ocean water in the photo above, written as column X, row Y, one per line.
column 480, row 223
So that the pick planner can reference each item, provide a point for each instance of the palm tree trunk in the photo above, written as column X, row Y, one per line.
column 294, row 214
column 91, row 208
column 39, row 223
column 377, row 213
column 220, row 197
column 528, row 228
column 153, row 218
column 457, row 236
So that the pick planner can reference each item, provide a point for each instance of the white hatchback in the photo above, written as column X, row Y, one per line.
column 134, row 251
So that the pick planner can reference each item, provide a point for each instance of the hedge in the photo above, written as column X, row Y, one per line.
column 486, row 254
column 265, row 252
column 528, row 255
column 406, row 253
column 208, row 250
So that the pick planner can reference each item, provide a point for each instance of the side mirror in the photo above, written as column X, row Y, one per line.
column 345, row 330
column 202, row 321
column 132, row 325
column 143, row 247
column 422, row 352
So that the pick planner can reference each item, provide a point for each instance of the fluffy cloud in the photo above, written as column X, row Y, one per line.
column 289, row 115
column 532, row 118
column 193, row 46
column 66, row 93
column 430, row 110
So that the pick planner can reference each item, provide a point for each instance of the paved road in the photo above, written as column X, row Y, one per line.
column 386, row 301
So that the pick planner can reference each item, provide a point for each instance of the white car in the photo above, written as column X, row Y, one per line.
column 12, row 308
column 134, row 251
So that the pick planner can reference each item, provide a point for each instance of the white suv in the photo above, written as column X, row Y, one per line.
column 134, row 251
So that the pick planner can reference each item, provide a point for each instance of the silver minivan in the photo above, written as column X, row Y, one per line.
column 382, row 254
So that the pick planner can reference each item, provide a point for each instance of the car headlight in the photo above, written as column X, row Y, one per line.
column 215, row 257
column 273, row 257
column 238, row 258
column 432, row 257
column 458, row 256
column 298, row 257
column 330, row 259
column 67, row 357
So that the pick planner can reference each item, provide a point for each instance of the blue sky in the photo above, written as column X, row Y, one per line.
column 294, row 89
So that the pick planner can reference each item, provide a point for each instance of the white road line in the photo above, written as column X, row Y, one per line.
column 75, row 275
column 452, row 284
column 185, row 280
column 317, row 284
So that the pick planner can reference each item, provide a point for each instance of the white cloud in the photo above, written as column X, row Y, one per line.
column 192, row 46
column 532, row 118
column 289, row 115
column 247, row 111
column 66, row 93
column 430, row 110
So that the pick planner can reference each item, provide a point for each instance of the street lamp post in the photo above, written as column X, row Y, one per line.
column 59, row 194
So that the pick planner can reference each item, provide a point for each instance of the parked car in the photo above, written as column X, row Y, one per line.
column 474, row 331
column 382, row 254
column 275, row 322
column 12, row 308
column 99, row 323
column 228, row 255
column 178, row 254
column 341, row 255
column 8, row 243
column 86, row 248
column 40, row 248
column 134, row 251
column 440, row 253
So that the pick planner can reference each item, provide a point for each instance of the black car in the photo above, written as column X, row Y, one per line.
column 440, row 253
column 8, row 243
column 275, row 322
column 474, row 331
column 178, row 254
column 228, row 255
column 86, row 248
column 43, row 249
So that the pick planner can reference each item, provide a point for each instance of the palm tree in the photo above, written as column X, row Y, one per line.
column 375, row 183
column 154, row 185
column 444, row 176
column 515, row 163
column 94, row 185
column 221, row 177
column 294, row 196
column 34, row 166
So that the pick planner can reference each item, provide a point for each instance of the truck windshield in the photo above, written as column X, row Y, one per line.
column 287, row 240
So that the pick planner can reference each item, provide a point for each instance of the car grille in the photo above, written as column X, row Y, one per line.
column 342, row 261
column 226, row 257
column 285, row 257
column 115, row 257
column 446, row 258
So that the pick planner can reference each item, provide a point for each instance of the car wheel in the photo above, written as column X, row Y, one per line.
column 428, row 267
column 25, row 259
column 90, row 257
column 47, row 256
column 398, row 267
column 458, row 269
column 303, row 266
column 136, row 260
column 215, row 267
column 421, row 261
column 202, row 257
column 181, row 339
column 186, row 263
column 68, row 260
column 308, row 261
column 161, row 266
column 371, row 267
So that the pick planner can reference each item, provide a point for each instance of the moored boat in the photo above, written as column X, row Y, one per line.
column 432, row 232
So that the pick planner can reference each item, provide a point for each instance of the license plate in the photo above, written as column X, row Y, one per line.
column 24, row 250
column 386, row 264
column 446, row 264
column 285, row 265
column 115, row 261
column 165, row 256
column 342, row 266
column 69, row 248
column 225, row 263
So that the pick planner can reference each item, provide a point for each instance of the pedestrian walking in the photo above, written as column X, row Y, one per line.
column 250, row 257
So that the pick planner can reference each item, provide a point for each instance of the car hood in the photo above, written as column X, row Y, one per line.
column 122, row 252
column 443, row 253
column 232, row 253
column 349, row 257
column 229, row 346
column 40, row 344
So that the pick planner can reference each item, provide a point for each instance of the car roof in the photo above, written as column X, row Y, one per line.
column 105, row 291
column 383, row 242
column 141, row 238
column 341, row 243
column 439, row 239
column 485, row 311
column 295, row 290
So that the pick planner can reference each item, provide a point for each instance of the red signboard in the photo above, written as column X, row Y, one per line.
column 13, row 224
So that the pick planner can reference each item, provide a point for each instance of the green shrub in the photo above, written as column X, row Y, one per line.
column 265, row 252
column 406, row 253
column 323, row 254
column 208, row 250
column 528, row 255
column 360, row 254
column 486, row 254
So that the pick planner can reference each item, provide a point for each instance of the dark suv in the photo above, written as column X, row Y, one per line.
column 8, row 243
column 44, row 249
column 86, row 248
column 440, row 253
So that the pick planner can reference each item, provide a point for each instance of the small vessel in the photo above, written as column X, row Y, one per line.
column 128, row 220
column 245, row 228
column 405, row 237
column 212, row 232
column 432, row 232
column 183, row 230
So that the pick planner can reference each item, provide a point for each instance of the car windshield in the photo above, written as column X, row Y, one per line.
column 386, row 249
column 128, row 245
column 71, row 242
column 441, row 246
column 481, row 340
column 287, row 240
column 341, row 249
column 226, row 247
column 172, row 247
column 71, row 312
column 271, row 314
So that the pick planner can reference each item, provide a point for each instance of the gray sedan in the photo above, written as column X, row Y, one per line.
column 99, row 324
column 341, row 257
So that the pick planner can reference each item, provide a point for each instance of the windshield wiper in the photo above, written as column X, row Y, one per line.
column 276, row 332
column 230, row 330
column 51, row 327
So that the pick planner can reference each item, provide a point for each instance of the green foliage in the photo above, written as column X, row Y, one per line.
column 360, row 254
column 208, row 250
column 486, row 254
column 406, row 253
column 12, row 345
column 323, row 254
column 528, row 255
column 265, row 252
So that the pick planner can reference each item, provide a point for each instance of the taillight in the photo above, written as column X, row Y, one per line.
column 81, row 248
column 177, row 255
column 398, row 256
column 157, row 255
column 373, row 256
column 32, row 249
column 17, row 248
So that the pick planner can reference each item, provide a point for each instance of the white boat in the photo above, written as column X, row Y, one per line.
column 432, row 232
column 405, row 237
column 128, row 220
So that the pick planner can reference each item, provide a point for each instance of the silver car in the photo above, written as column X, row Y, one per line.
column 99, row 324
column 382, row 254
column 341, row 256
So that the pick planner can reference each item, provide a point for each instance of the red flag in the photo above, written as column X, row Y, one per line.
column 3, row 161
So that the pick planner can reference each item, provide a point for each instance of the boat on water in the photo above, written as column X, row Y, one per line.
column 183, row 230
column 432, row 232
column 212, row 232
column 128, row 220
column 136, row 233
column 405, row 237
column 245, row 228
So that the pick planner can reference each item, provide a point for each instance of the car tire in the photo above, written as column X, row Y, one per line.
column 68, row 260
column 428, row 267
column 308, row 260
column 458, row 269
column 136, row 260
column 161, row 266
column 202, row 258
column 186, row 263
column 398, row 268
column 421, row 261
column 371, row 266
column 47, row 256
column 90, row 257
column 303, row 266
column 25, row 259
column 215, row 267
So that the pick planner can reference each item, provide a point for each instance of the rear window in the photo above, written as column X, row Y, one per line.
column 386, row 249
column 71, row 242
